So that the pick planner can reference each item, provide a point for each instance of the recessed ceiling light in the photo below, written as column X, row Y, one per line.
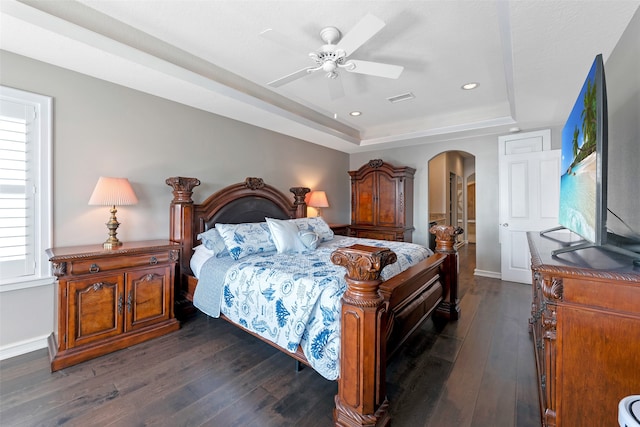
column 470, row 86
column 355, row 113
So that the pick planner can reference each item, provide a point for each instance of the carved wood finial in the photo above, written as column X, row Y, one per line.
column 182, row 188
column 59, row 268
column 445, row 237
column 253, row 183
column 298, row 194
column 375, row 163
column 553, row 290
column 549, row 323
column 363, row 263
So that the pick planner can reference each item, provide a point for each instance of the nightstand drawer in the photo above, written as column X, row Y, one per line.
column 105, row 264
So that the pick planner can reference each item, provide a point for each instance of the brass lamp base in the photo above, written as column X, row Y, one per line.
column 111, row 245
column 112, row 242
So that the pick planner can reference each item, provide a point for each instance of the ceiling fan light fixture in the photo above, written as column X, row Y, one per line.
column 329, row 66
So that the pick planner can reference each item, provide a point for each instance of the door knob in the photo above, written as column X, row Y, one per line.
column 506, row 224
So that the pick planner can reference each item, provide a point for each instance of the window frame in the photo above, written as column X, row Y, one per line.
column 43, row 179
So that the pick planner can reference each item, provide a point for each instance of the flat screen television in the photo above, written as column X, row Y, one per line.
column 583, row 182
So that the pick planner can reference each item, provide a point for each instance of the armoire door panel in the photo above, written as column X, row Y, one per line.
column 365, row 200
column 388, row 201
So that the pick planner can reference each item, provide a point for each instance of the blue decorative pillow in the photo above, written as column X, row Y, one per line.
column 246, row 239
column 284, row 234
column 309, row 239
column 212, row 240
column 316, row 224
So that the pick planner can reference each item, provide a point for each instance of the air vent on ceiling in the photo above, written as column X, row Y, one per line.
column 403, row 97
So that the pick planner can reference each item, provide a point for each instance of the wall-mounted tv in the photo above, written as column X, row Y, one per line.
column 583, row 184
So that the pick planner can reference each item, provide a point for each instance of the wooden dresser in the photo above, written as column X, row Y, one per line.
column 107, row 300
column 382, row 201
column 585, row 320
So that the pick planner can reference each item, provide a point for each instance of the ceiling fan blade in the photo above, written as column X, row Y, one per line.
column 375, row 69
column 284, row 41
column 336, row 90
column 363, row 31
column 289, row 78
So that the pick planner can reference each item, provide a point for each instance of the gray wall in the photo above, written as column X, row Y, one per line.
column 105, row 129
column 622, row 73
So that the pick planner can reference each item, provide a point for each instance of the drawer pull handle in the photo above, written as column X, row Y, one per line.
column 120, row 304
column 94, row 268
column 153, row 260
column 129, row 301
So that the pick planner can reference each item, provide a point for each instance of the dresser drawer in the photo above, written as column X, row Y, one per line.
column 375, row 234
column 85, row 266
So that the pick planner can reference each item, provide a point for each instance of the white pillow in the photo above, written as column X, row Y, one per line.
column 246, row 239
column 200, row 255
column 309, row 239
column 285, row 235
column 317, row 224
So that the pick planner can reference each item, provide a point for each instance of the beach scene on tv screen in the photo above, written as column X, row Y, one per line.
column 578, row 183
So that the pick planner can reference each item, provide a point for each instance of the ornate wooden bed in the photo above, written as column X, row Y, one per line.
column 377, row 316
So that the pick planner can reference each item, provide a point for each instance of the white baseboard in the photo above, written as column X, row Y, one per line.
column 485, row 273
column 23, row 347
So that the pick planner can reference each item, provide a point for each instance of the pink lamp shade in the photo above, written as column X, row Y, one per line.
column 318, row 200
column 113, row 192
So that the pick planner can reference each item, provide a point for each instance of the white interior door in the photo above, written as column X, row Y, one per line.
column 529, row 197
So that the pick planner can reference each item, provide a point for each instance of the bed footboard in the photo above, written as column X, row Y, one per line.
column 367, row 319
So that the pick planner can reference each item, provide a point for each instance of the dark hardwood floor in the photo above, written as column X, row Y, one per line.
column 478, row 371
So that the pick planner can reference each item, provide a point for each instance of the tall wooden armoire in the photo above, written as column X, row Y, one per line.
column 382, row 201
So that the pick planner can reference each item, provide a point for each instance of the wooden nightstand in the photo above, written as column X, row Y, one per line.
column 107, row 300
column 340, row 229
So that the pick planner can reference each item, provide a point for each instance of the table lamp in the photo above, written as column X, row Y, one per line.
column 318, row 200
column 113, row 192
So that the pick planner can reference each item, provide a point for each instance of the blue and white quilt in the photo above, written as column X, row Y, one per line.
column 291, row 299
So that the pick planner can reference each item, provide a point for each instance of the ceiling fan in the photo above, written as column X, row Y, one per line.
column 332, row 56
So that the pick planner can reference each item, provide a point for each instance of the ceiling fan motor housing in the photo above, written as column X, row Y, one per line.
column 330, row 35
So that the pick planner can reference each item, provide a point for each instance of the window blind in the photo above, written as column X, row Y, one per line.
column 18, row 169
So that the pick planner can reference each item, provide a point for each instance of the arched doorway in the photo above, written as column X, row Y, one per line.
column 452, row 177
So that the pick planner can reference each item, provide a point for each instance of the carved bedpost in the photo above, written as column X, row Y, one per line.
column 448, row 309
column 181, row 231
column 301, row 207
column 361, row 398
column 181, row 209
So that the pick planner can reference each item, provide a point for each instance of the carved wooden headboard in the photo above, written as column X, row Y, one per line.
column 248, row 201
